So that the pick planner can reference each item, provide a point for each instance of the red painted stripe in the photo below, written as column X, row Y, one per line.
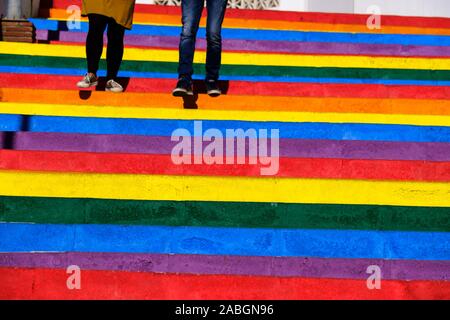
column 155, row 85
column 333, row 18
column 18, row 283
column 162, row 164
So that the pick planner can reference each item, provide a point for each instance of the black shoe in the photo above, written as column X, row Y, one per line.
column 183, row 88
column 212, row 88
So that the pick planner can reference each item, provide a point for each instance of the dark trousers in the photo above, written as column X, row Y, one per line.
column 191, row 14
column 94, row 44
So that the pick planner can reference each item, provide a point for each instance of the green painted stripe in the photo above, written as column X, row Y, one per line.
column 235, row 70
column 222, row 214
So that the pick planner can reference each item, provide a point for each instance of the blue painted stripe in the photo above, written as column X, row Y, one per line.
column 133, row 74
column 10, row 122
column 292, row 130
column 281, row 35
column 22, row 237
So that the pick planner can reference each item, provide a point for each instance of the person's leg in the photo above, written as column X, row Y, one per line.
column 191, row 14
column 94, row 41
column 114, row 52
column 114, row 55
column 94, row 48
column 216, row 13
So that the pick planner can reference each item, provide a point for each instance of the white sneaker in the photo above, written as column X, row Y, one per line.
column 89, row 80
column 113, row 86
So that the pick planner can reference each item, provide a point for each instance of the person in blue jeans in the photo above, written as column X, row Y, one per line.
column 191, row 14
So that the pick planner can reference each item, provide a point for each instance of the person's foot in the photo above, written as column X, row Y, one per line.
column 212, row 88
column 89, row 80
column 183, row 88
column 113, row 86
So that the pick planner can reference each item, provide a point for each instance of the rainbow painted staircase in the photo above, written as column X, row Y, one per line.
column 87, row 179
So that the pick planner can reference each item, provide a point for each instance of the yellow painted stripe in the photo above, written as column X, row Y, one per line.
column 193, row 114
column 241, row 189
column 264, row 59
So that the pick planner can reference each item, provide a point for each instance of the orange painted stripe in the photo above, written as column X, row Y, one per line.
column 231, row 102
column 175, row 20
column 20, row 283
column 89, row 162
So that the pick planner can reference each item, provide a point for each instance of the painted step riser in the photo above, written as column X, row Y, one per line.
column 172, row 42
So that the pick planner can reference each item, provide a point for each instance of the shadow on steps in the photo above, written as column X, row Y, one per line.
column 188, row 102
column 200, row 88
column 8, row 137
column 45, row 6
column 86, row 94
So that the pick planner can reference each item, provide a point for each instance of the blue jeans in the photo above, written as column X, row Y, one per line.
column 192, row 12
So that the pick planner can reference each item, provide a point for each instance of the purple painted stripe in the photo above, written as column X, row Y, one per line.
column 288, row 147
column 270, row 46
column 236, row 265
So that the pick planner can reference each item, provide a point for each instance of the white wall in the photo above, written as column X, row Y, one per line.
column 432, row 8
column 294, row 5
column 19, row 9
column 330, row 6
